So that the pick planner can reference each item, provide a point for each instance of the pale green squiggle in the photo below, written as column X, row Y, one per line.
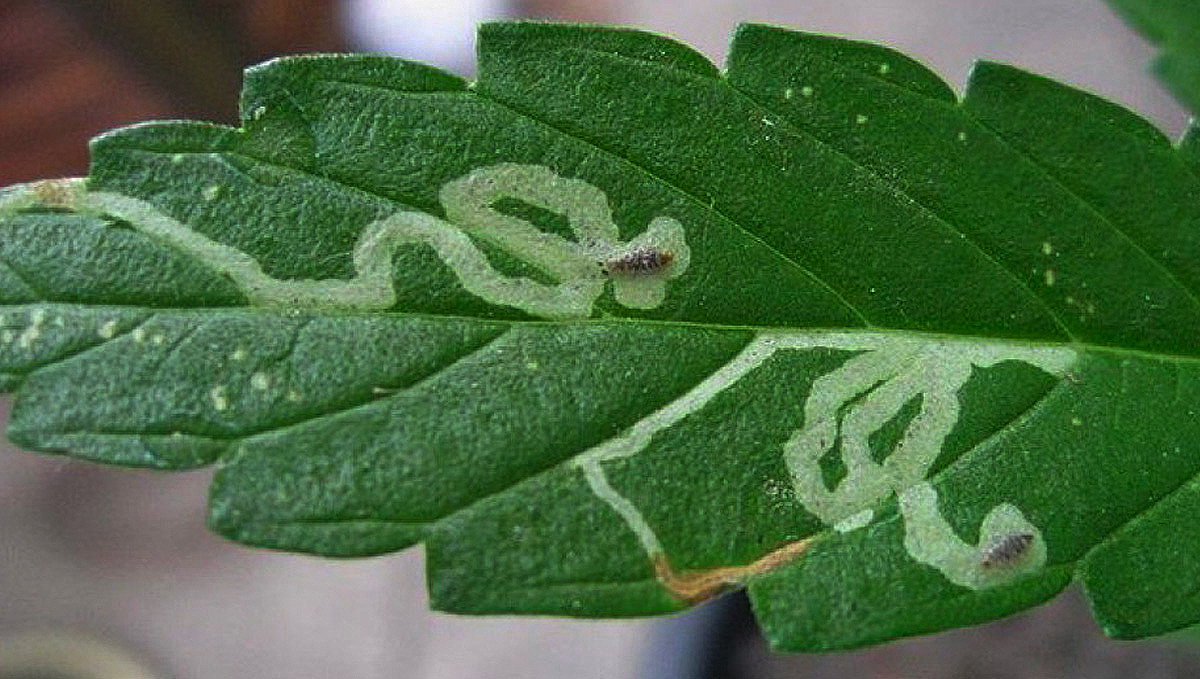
column 629, row 512
column 370, row 290
column 468, row 202
column 637, row 437
column 929, row 539
column 891, row 375
column 903, row 369
column 894, row 369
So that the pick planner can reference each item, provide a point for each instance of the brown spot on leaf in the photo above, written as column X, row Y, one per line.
column 55, row 192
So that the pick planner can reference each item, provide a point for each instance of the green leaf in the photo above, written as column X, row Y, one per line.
column 1174, row 25
column 610, row 332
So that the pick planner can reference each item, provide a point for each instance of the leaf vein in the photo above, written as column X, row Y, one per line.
column 1150, row 507
column 943, row 220
column 38, row 365
column 34, row 290
column 361, row 403
column 1047, row 172
column 571, row 458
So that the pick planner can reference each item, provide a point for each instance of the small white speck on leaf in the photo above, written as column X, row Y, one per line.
column 1049, row 276
column 211, row 192
column 260, row 381
column 107, row 330
column 860, row 119
column 33, row 330
column 219, row 400
column 884, row 68
column 806, row 91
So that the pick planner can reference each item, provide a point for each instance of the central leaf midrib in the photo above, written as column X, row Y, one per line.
column 1114, row 350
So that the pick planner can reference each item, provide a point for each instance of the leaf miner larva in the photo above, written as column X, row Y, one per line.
column 1006, row 550
column 640, row 261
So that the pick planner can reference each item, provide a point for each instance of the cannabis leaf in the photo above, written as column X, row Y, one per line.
column 609, row 331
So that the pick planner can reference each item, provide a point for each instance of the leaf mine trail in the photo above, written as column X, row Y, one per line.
column 610, row 330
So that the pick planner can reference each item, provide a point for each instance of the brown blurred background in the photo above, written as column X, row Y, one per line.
column 69, row 70
column 88, row 552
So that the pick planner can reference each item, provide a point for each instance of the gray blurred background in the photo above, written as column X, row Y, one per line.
column 91, row 555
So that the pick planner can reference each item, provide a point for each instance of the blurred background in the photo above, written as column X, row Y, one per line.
column 110, row 573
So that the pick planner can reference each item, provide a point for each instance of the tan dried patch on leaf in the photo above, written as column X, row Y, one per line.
column 695, row 586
